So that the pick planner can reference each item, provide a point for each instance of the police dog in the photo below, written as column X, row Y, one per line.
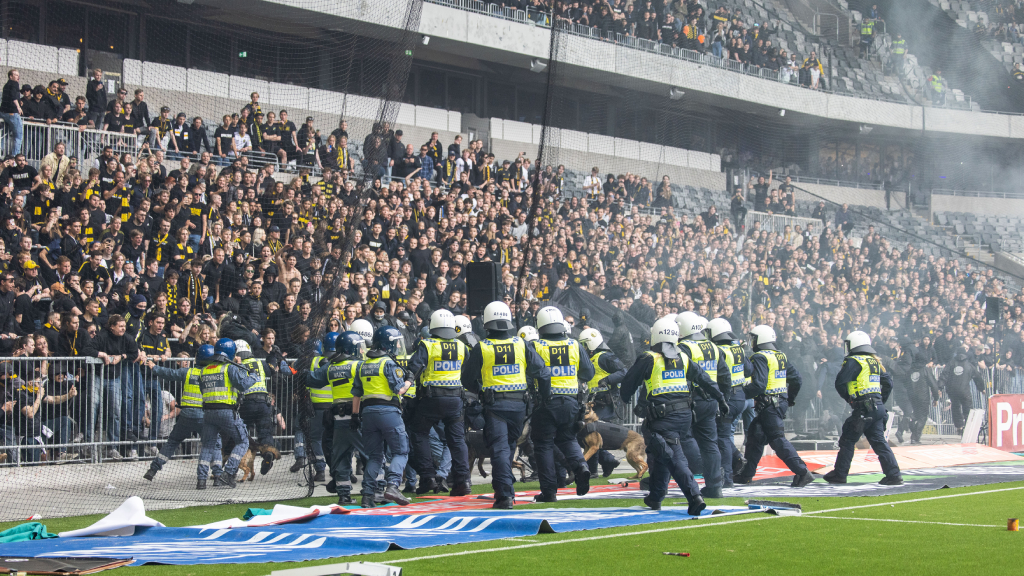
column 478, row 450
column 621, row 438
column 246, row 465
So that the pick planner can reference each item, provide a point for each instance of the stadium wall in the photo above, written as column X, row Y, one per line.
column 976, row 205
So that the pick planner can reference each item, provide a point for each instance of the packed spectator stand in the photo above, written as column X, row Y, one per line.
column 171, row 237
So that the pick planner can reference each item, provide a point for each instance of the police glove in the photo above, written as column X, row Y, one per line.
column 355, row 422
column 723, row 408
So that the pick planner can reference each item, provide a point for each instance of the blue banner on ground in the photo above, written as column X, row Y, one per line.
column 334, row 536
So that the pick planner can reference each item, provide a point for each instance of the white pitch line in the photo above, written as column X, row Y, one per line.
column 687, row 527
column 907, row 521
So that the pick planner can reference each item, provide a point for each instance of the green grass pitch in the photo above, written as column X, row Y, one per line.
column 952, row 531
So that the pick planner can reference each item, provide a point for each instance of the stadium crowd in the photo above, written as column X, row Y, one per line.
column 127, row 259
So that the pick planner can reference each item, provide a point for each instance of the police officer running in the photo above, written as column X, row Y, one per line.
column 560, row 400
column 320, row 396
column 705, row 355
column 865, row 385
column 436, row 366
column 496, row 368
column 774, row 385
column 604, row 392
column 340, row 370
column 666, row 376
column 190, row 419
column 256, row 410
column 221, row 381
column 734, row 359
column 376, row 407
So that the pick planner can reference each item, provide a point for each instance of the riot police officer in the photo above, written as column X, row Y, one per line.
column 255, row 409
column 464, row 331
column 865, row 385
column 190, row 419
column 734, row 358
column 604, row 392
column 363, row 328
column 376, row 408
column 705, row 355
column 665, row 376
column 496, row 369
column 339, row 370
column 436, row 366
column 956, row 377
column 774, row 385
column 560, row 400
column 320, row 396
column 221, row 381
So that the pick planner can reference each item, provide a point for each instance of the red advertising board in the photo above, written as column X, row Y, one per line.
column 1006, row 422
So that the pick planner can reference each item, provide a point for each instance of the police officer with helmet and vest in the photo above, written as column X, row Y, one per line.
column 256, row 410
column 774, row 385
column 322, row 400
column 865, row 385
column 222, row 382
column 190, row 419
column 694, row 344
column 339, row 370
column 560, row 403
column 376, row 409
column 436, row 366
column 733, row 357
column 666, row 378
column 464, row 331
column 604, row 392
column 496, row 369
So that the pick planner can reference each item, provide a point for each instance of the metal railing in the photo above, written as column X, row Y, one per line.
column 80, row 409
column 977, row 193
column 778, row 222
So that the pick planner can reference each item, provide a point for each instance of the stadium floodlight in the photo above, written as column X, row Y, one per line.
column 676, row 93
column 538, row 65
column 425, row 39
column 782, row 112
column 865, row 129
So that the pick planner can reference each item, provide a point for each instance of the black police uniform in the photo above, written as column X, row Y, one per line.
column 558, row 410
column 436, row 367
column 774, row 389
column 956, row 378
column 736, row 399
column 865, row 385
column 705, row 412
column 666, row 424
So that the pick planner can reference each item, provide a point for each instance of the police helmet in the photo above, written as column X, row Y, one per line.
column 497, row 316
column 664, row 330
column 349, row 343
column 462, row 325
column 858, row 342
column 592, row 339
column 225, row 347
column 762, row 338
column 242, row 346
column 720, row 330
column 386, row 339
column 442, row 325
column 205, row 354
column 329, row 341
column 550, row 321
column 363, row 328
column 691, row 325
column 528, row 333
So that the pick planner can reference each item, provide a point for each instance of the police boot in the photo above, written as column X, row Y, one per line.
column 709, row 492
column 696, row 505
column 367, row 502
column 609, row 468
column 319, row 477
column 393, row 495
column 895, row 480
column 344, row 499
column 150, row 474
column 331, row 487
column 652, row 502
column 227, row 480
column 803, row 480
column 582, row 481
column 442, row 486
column 426, row 485
column 299, row 463
column 542, row 497
column 834, row 477
column 269, row 454
column 461, row 489
column 741, row 480
column 200, row 484
column 504, row 503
